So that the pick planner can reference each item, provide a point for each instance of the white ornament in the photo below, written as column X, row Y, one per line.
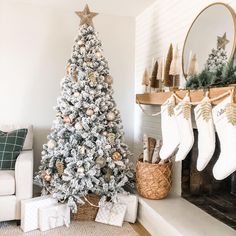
column 89, row 112
column 80, row 170
column 82, row 50
column 111, row 116
column 80, row 42
column 76, row 94
column 51, row 144
column 82, row 150
column 78, row 126
column 98, row 54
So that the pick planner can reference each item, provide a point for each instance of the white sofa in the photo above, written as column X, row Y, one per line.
column 16, row 185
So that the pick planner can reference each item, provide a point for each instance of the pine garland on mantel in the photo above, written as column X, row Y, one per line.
column 207, row 79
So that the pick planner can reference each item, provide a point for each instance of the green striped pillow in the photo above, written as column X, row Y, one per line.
column 11, row 144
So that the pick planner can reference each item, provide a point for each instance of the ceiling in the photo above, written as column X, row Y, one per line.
column 111, row 7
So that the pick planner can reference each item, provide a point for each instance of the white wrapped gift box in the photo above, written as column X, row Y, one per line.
column 54, row 216
column 29, row 211
column 111, row 213
column 131, row 201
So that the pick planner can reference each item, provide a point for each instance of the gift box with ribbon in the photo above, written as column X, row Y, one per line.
column 54, row 216
column 111, row 213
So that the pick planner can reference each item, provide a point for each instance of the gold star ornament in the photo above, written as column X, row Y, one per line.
column 222, row 41
column 86, row 16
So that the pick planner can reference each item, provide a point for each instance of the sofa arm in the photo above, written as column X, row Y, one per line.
column 24, row 175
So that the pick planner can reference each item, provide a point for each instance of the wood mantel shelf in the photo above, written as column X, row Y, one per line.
column 158, row 98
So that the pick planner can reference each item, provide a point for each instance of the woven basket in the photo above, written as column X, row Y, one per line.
column 153, row 180
column 87, row 212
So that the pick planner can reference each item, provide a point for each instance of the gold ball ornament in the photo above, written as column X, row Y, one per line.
column 80, row 170
column 67, row 120
column 116, row 156
column 111, row 116
column 92, row 77
column 109, row 80
column 89, row 112
column 47, row 177
column 51, row 144
column 101, row 162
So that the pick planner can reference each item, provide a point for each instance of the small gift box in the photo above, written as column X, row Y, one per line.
column 111, row 213
column 54, row 216
column 29, row 211
column 131, row 201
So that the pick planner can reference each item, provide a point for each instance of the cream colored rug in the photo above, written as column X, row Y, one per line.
column 76, row 229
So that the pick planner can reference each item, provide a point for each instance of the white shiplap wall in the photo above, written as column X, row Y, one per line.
column 162, row 23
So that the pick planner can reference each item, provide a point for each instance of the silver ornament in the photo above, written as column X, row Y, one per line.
column 78, row 126
column 51, row 144
column 80, row 170
column 101, row 162
column 111, row 138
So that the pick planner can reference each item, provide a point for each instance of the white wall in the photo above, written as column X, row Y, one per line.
column 162, row 23
column 35, row 43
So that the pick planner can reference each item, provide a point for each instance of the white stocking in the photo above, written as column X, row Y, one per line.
column 170, row 135
column 184, row 122
column 226, row 130
column 206, row 133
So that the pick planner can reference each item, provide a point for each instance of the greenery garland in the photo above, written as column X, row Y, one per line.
column 207, row 79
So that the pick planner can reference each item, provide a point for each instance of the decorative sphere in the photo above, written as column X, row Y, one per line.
column 104, row 133
column 82, row 49
column 67, row 119
column 111, row 138
column 80, row 42
column 78, row 126
column 101, row 162
column 47, row 177
column 76, row 94
column 89, row 112
column 80, row 170
column 111, row 116
column 98, row 54
column 116, row 156
column 109, row 80
column 51, row 144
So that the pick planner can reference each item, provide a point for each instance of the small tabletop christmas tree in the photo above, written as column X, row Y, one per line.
column 217, row 59
column 85, row 152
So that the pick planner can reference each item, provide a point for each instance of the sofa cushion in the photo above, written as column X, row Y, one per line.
column 7, row 182
column 11, row 145
column 28, row 145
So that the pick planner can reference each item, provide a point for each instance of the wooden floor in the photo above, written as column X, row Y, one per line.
column 140, row 229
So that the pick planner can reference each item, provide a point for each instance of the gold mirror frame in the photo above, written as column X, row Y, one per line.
column 232, row 12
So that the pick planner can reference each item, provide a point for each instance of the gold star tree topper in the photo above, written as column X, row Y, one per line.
column 222, row 41
column 86, row 16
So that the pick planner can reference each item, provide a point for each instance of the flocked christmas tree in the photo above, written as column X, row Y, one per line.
column 85, row 152
column 217, row 59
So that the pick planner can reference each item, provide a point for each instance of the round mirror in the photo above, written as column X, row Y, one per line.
column 214, row 28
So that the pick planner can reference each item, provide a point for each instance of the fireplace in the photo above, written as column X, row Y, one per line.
column 217, row 198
